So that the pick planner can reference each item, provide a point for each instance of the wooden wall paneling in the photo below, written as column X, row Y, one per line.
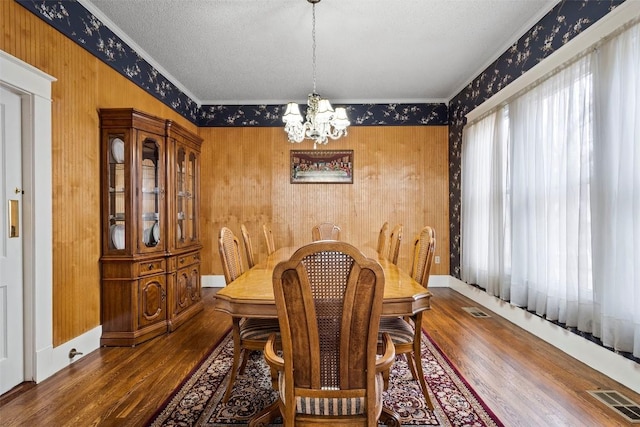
column 400, row 176
column 75, row 181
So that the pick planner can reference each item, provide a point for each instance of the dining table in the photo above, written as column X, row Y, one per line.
column 251, row 295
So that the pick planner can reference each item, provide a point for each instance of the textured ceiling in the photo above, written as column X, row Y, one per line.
column 368, row 51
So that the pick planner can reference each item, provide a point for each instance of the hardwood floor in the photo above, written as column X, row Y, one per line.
column 525, row 381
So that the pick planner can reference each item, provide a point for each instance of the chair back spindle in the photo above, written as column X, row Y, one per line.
column 248, row 247
column 394, row 243
column 325, row 231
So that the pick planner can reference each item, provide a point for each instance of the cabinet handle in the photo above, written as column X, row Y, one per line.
column 163, row 294
column 150, row 267
column 181, row 260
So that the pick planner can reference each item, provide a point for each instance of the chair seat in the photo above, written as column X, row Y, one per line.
column 258, row 329
column 398, row 329
column 331, row 406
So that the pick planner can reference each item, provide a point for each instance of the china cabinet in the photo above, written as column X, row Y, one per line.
column 183, row 206
column 150, row 243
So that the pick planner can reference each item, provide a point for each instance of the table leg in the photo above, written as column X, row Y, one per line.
column 389, row 417
column 266, row 416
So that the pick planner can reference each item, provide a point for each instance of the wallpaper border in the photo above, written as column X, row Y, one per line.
column 73, row 20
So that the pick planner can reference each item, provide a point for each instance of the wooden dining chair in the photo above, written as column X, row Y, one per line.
column 248, row 247
column 406, row 333
column 325, row 231
column 248, row 333
column 382, row 239
column 329, row 300
column 394, row 244
column 268, row 237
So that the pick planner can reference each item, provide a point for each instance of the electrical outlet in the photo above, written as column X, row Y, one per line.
column 437, row 259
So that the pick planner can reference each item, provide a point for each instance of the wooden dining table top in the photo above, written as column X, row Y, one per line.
column 251, row 294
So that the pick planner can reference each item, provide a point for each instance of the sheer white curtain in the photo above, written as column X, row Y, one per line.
column 551, row 135
column 485, row 237
column 551, row 213
column 616, row 192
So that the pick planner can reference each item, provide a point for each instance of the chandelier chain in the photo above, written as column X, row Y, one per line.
column 313, row 38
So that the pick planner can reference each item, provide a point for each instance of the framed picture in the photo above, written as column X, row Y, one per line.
column 322, row 166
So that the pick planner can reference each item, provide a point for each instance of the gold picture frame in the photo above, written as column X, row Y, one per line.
column 321, row 166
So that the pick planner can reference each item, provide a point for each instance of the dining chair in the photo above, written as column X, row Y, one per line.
column 406, row 333
column 329, row 301
column 248, row 247
column 394, row 243
column 248, row 333
column 382, row 239
column 268, row 237
column 325, row 231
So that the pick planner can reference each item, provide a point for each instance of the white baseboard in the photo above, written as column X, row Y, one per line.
column 213, row 281
column 615, row 366
column 441, row 281
column 50, row 360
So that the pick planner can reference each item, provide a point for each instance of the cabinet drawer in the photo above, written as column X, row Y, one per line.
column 152, row 267
column 188, row 259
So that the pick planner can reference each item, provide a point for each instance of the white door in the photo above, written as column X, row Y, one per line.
column 11, row 281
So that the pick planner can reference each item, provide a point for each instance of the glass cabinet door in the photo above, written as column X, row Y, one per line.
column 116, row 200
column 191, row 211
column 181, row 194
column 151, row 195
column 186, row 232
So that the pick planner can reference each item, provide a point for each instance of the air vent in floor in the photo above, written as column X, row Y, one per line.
column 628, row 409
column 475, row 312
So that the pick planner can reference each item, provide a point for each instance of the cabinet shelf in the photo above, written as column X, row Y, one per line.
column 150, row 216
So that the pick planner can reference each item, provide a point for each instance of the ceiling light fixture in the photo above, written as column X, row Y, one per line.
column 322, row 121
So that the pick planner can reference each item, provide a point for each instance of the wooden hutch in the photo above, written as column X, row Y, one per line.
column 150, row 183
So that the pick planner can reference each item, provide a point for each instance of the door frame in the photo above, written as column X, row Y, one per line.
column 35, row 88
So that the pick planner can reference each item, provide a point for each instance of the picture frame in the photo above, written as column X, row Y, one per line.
column 321, row 166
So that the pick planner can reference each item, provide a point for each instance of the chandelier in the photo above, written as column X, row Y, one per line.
column 322, row 121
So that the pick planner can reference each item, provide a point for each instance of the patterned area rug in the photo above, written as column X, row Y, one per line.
column 198, row 401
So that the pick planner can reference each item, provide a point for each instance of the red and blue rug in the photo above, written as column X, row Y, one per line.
column 198, row 401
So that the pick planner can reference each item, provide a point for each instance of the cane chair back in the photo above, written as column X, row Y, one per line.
column 406, row 333
column 382, row 239
column 329, row 301
column 248, row 247
column 268, row 238
column 394, row 243
column 229, row 247
column 248, row 333
column 325, row 231
column 424, row 246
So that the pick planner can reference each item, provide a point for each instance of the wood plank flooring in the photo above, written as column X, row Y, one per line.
column 525, row 381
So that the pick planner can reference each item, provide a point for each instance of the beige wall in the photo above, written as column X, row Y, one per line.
column 400, row 174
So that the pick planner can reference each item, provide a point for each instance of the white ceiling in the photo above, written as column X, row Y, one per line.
column 368, row 51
